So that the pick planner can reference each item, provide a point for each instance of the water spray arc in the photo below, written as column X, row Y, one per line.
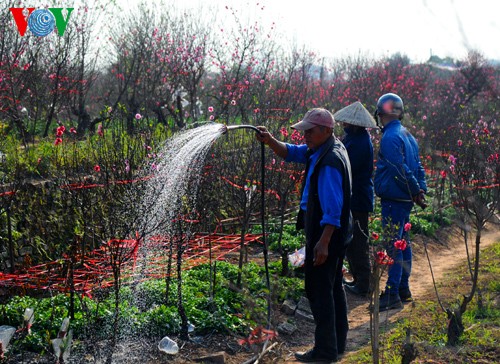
column 262, row 211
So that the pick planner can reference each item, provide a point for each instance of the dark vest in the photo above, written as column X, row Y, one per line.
column 334, row 155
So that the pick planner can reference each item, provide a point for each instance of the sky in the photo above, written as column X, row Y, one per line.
column 416, row 28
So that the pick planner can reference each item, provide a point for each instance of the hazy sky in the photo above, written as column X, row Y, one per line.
column 416, row 28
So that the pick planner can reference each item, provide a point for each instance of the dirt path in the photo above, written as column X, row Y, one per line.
column 443, row 257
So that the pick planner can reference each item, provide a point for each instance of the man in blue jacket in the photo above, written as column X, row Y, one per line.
column 325, row 215
column 399, row 182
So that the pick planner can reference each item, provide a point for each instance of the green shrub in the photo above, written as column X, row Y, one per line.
column 291, row 239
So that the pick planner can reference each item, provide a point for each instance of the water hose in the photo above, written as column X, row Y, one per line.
column 233, row 127
column 262, row 207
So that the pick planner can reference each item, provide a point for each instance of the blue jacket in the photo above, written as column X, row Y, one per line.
column 399, row 175
column 360, row 149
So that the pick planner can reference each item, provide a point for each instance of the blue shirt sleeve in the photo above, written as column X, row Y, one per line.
column 296, row 153
column 331, row 197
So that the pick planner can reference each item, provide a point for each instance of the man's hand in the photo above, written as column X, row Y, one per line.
column 277, row 147
column 264, row 136
column 320, row 253
column 420, row 199
column 321, row 248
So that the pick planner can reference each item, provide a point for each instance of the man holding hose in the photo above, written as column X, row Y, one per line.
column 325, row 215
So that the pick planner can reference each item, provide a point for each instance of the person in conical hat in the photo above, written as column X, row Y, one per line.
column 356, row 119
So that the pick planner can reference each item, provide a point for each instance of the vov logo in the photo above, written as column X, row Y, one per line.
column 41, row 22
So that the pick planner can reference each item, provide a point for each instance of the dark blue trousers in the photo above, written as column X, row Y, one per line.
column 395, row 215
column 328, row 303
column 358, row 251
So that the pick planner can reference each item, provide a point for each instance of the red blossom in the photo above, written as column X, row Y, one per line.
column 97, row 168
column 296, row 136
column 400, row 244
column 407, row 226
column 384, row 259
column 58, row 141
column 60, row 130
column 375, row 236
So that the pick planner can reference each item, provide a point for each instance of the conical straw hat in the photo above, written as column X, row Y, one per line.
column 355, row 114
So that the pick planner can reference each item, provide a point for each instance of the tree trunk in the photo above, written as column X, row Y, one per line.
column 72, row 284
column 284, row 263
column 83, row 120
column 284, row 253
column 180, row 305
column 375, row 313
column 409, row 351
column 159, row 114
column 240, row 262
column 21, row 128
column 168, row 279
column 50, row 115
column 11, row 242
column 180, row 117
column 455, row 327
column 114, row 335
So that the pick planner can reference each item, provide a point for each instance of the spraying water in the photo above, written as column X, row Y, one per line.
column 170, row 190
column 176, row 176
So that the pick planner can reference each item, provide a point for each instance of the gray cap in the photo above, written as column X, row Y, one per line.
column 315, row 117
column 355, row 114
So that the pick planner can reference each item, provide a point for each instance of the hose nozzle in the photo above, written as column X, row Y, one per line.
column 233, row 127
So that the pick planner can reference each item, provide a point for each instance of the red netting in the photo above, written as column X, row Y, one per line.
column 149, row 260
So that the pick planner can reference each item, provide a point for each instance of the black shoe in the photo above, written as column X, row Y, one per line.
column 405, row 295
column 355, row 289
column 310, row 356
column 389, row 301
